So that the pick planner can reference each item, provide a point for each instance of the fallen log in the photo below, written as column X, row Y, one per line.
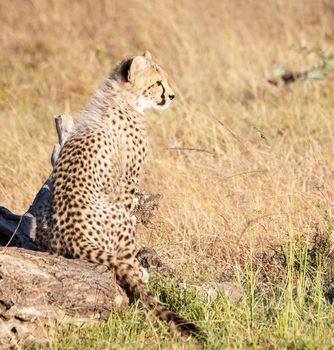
column 40, row 292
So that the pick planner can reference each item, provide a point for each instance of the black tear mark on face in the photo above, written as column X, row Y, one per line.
column 163, row 99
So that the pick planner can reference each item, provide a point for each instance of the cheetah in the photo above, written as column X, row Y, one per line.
column 96, row 175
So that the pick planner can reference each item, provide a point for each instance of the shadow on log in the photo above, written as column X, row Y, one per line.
column 40, row 291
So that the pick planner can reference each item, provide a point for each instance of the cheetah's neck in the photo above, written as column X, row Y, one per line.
column 112, row 101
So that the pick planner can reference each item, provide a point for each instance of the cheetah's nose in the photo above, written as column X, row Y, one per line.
column 171, row 97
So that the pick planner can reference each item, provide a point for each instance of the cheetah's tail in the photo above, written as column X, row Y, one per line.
column 127, row 274
column 135, row 287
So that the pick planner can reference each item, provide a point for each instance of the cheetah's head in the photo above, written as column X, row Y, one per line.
column 147, row 83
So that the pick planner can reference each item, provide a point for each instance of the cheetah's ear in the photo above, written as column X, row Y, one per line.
column 148, row 55
column 138, row 64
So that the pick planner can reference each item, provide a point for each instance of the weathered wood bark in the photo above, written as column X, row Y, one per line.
column 39, row 291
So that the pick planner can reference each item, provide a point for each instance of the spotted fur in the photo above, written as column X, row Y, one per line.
column 96, row 174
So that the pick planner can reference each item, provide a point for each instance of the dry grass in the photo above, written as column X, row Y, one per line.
column 259, row 173
column 268, row 164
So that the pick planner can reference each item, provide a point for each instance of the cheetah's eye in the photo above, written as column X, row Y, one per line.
column 159, row 82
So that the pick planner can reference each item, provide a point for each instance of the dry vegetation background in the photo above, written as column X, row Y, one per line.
column 262, row 163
